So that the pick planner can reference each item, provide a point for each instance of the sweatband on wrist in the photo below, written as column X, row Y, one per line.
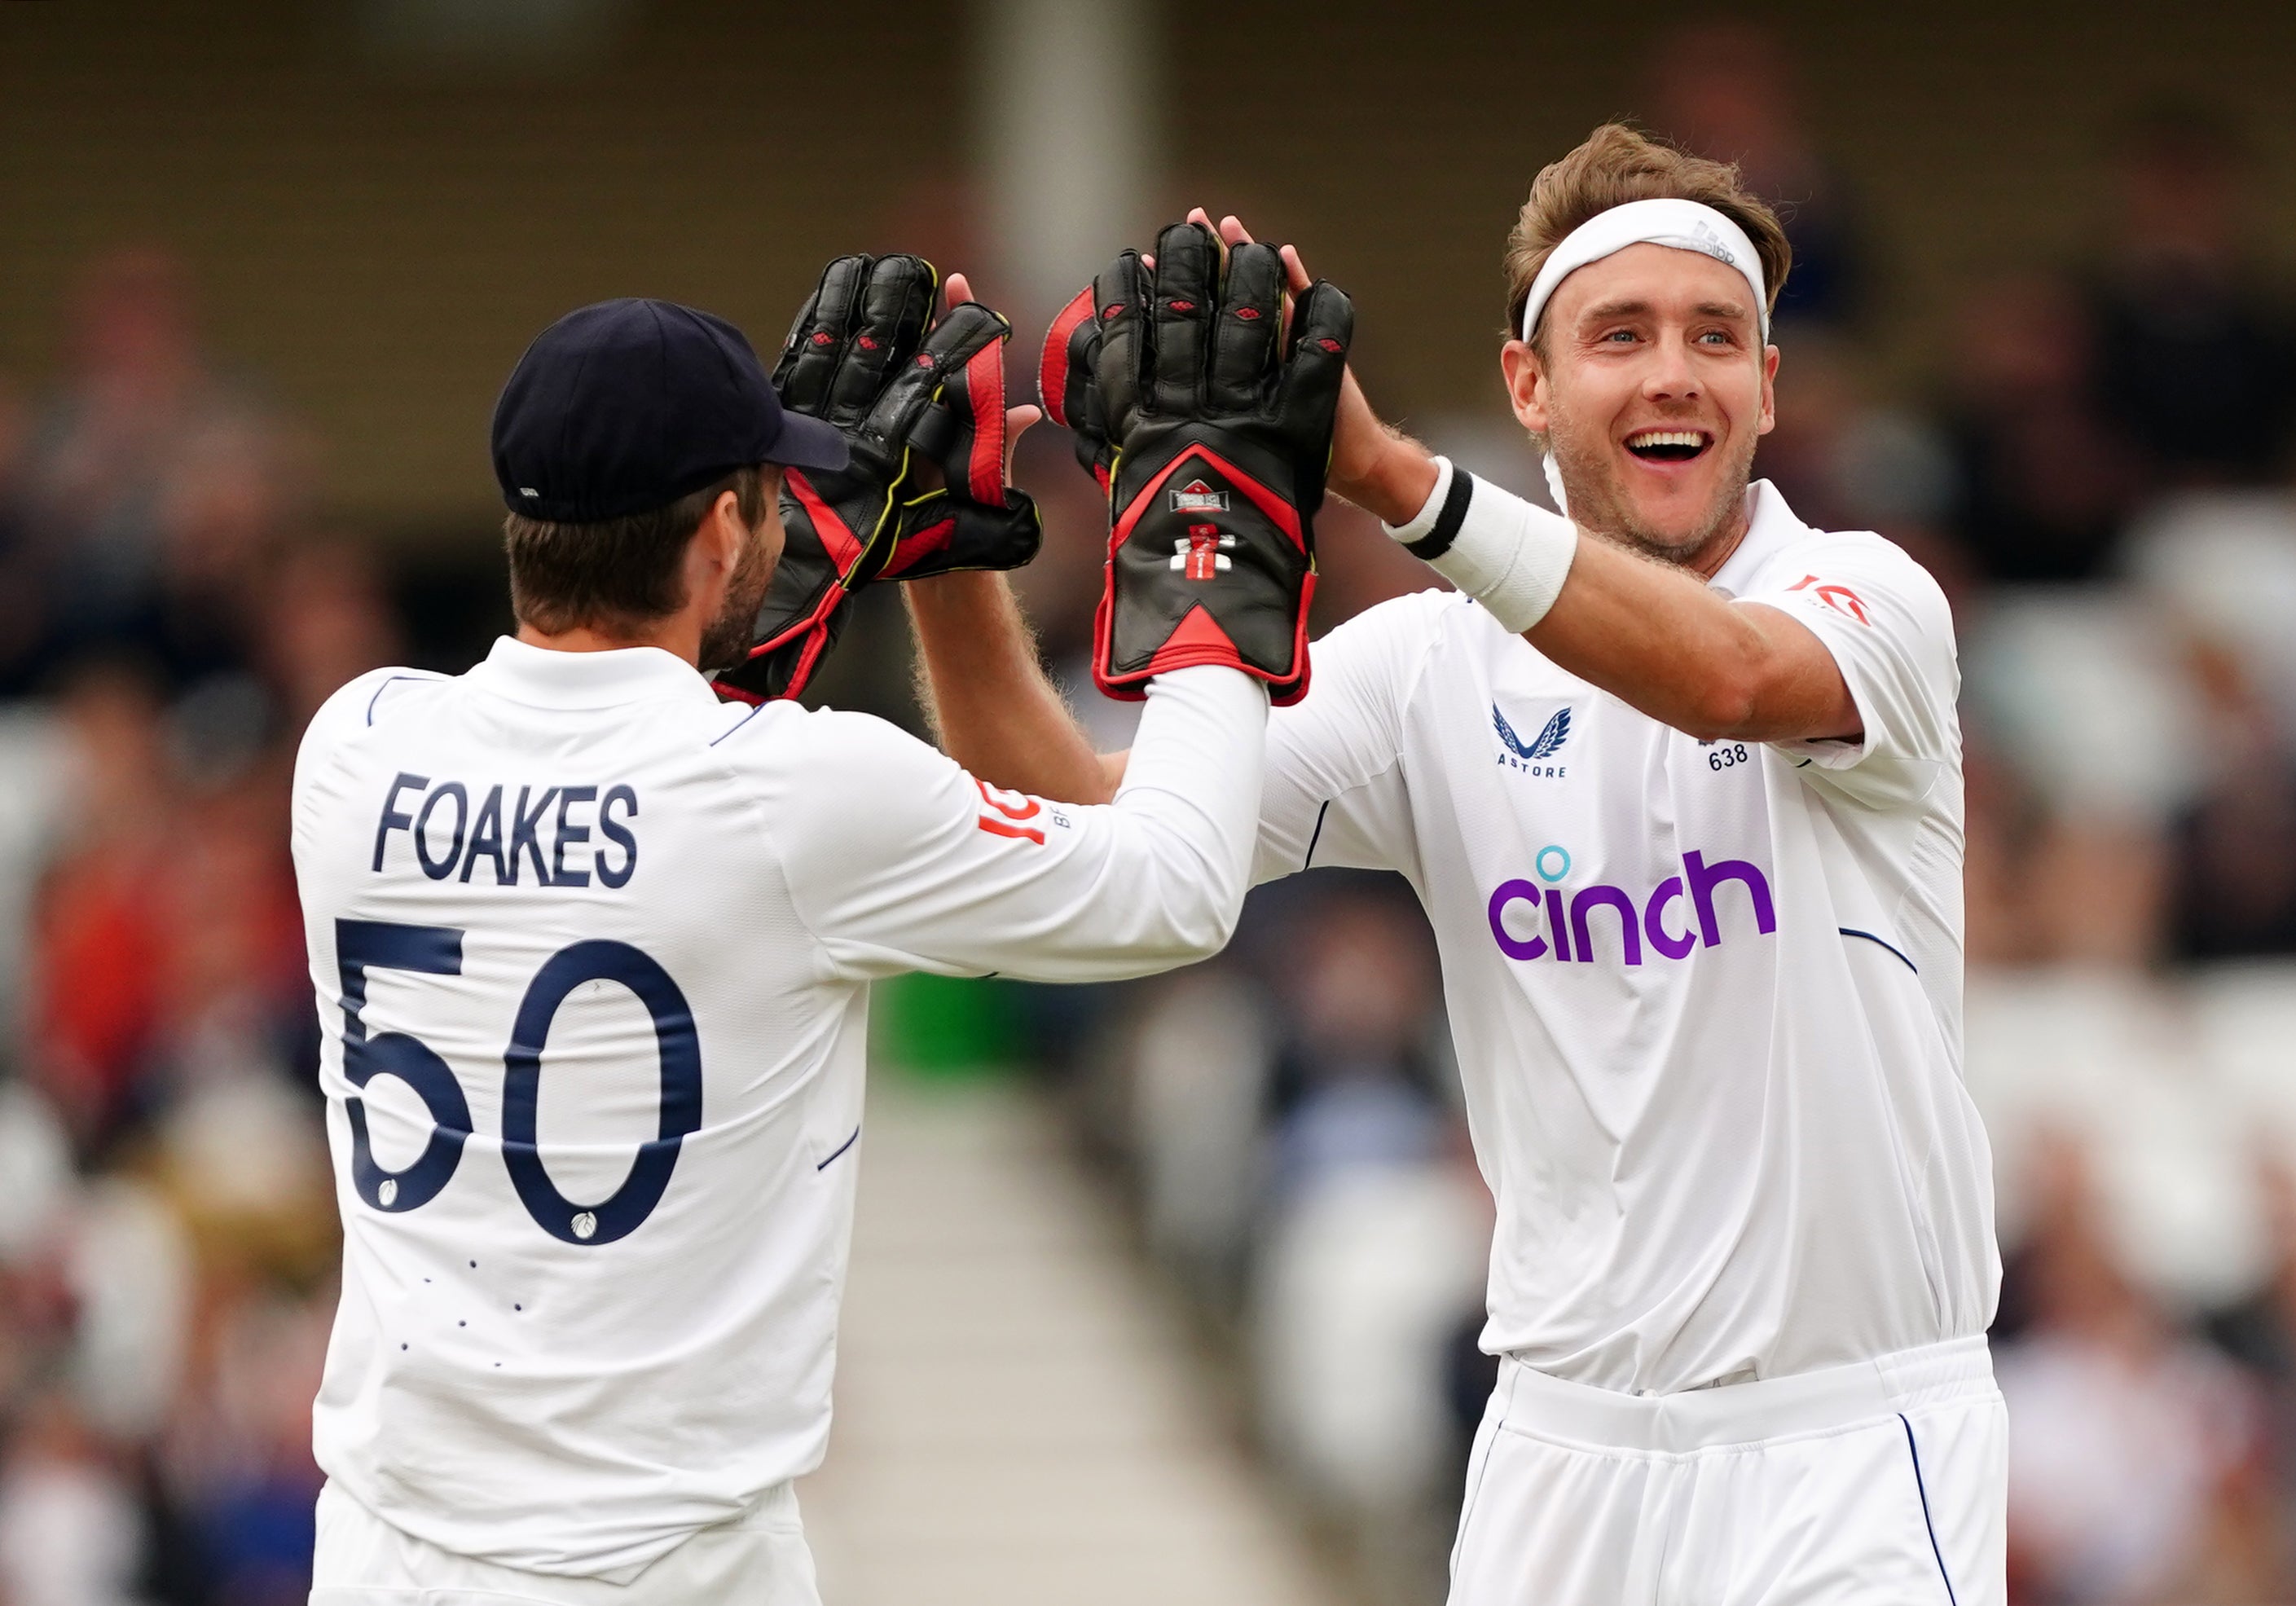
column 1419, row 536
column 1508, row 554
column 1453, row 491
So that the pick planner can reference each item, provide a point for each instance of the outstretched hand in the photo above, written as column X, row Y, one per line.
column 1380, row 469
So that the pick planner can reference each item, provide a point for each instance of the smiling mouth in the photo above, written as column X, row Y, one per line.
column 1669, row 446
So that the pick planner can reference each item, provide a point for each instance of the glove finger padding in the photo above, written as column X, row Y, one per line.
column 1215, row 446
column 1315, row 366
column 1188, row 281
column 1243, row 338
column 816, row 342
column 896, row 307
column 1119, row 365
column 974, row 520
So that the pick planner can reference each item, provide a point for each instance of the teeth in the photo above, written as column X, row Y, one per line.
column 1667, row 437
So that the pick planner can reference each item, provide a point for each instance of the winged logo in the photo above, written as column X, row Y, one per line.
column 1557, row 732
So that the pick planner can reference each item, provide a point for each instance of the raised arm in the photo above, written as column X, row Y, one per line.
column 1650, row 633
column 1202, row 396
column 992, row 708
column 898, row 859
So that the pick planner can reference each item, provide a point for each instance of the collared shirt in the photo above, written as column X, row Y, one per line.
column 592, row 952
column 1706, row 996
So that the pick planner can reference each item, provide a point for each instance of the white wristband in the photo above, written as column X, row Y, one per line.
column 1509, row 556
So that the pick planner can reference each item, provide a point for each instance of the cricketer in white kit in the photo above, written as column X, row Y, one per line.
column 1682, row 796
column 593, row 951
column 1742, row 1161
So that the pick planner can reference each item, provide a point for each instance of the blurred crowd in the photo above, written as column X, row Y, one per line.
column 169, row 617
column 2099, row 468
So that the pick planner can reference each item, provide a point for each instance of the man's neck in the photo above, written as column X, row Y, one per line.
column 677, row 637
column 1707, row 559
column 1703, row 558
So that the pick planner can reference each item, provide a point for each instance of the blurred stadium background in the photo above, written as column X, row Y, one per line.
column 1166, row 1290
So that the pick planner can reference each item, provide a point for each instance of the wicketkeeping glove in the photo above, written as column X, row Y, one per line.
column 972, row 520
column 1209, row 426
column 865, row 355
column 852, row 337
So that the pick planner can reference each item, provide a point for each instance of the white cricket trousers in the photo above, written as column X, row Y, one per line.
column 1881, row 1484
column 759, row 1558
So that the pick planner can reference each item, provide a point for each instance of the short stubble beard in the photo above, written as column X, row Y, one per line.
column 727, row 640
column 1597, row 506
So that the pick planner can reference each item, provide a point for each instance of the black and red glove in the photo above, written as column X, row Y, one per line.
column 1207, row 418
column 853, row 336
column 910, row 394
column 970, row 519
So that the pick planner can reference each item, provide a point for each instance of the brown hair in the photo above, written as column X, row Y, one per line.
column 1617, row 164
column 619, row 572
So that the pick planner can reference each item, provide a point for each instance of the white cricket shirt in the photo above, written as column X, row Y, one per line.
column 592, row 951
column 1706, row 996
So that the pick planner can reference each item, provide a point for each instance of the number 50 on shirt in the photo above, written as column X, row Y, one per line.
column 362, row 945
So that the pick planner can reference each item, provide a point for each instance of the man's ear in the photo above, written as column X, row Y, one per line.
column 1526, row 385
column 1769, row 391
column 719, row 541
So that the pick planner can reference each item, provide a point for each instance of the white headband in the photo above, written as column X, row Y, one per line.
column 1686, row 225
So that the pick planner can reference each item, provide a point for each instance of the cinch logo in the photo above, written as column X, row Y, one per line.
column 1530, row 756
column 1197, row 497
column 1568, row 918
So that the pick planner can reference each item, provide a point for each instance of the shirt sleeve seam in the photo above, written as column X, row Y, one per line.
column 421, row 676
column 1402, row 691
column 1308, row 860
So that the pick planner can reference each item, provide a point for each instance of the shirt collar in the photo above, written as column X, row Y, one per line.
column 1770, row 524
column 545, row 678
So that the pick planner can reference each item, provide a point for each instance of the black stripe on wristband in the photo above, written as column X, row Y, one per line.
column 1437, row 541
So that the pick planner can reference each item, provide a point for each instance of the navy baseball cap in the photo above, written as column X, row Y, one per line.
column 629, row 405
